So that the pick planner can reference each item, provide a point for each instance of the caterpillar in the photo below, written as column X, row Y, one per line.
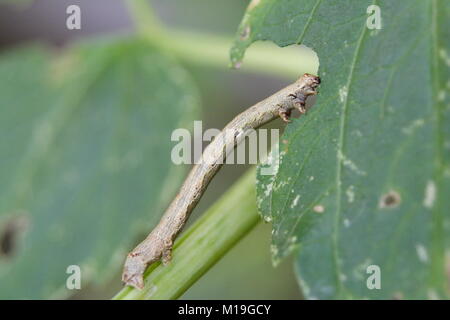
column 158, row 244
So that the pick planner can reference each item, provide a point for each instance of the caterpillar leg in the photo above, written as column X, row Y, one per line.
column 299, row 102
column 285, row 114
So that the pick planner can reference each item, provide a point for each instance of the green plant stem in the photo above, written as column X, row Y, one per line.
column 203, row 244
column 144, row 17
column 213, row 51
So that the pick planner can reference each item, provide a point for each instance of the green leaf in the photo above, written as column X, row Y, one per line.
column 364, row 178
column 87, row 166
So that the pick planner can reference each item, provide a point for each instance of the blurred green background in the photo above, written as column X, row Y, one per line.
column 246, row 271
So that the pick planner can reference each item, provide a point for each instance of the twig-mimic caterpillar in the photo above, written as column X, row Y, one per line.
column 158, row 244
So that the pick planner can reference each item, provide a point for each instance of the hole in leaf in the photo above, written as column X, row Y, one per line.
column 245, row 33
column 319, row 208
column 390, row 200
column 10, row 233
column 292, row 60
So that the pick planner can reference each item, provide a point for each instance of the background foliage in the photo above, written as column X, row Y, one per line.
column 85, row 156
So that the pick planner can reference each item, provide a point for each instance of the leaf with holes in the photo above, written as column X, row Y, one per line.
column 364, row 178
column 85, row 166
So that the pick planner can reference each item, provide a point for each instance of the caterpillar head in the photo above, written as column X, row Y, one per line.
column 309, row 81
